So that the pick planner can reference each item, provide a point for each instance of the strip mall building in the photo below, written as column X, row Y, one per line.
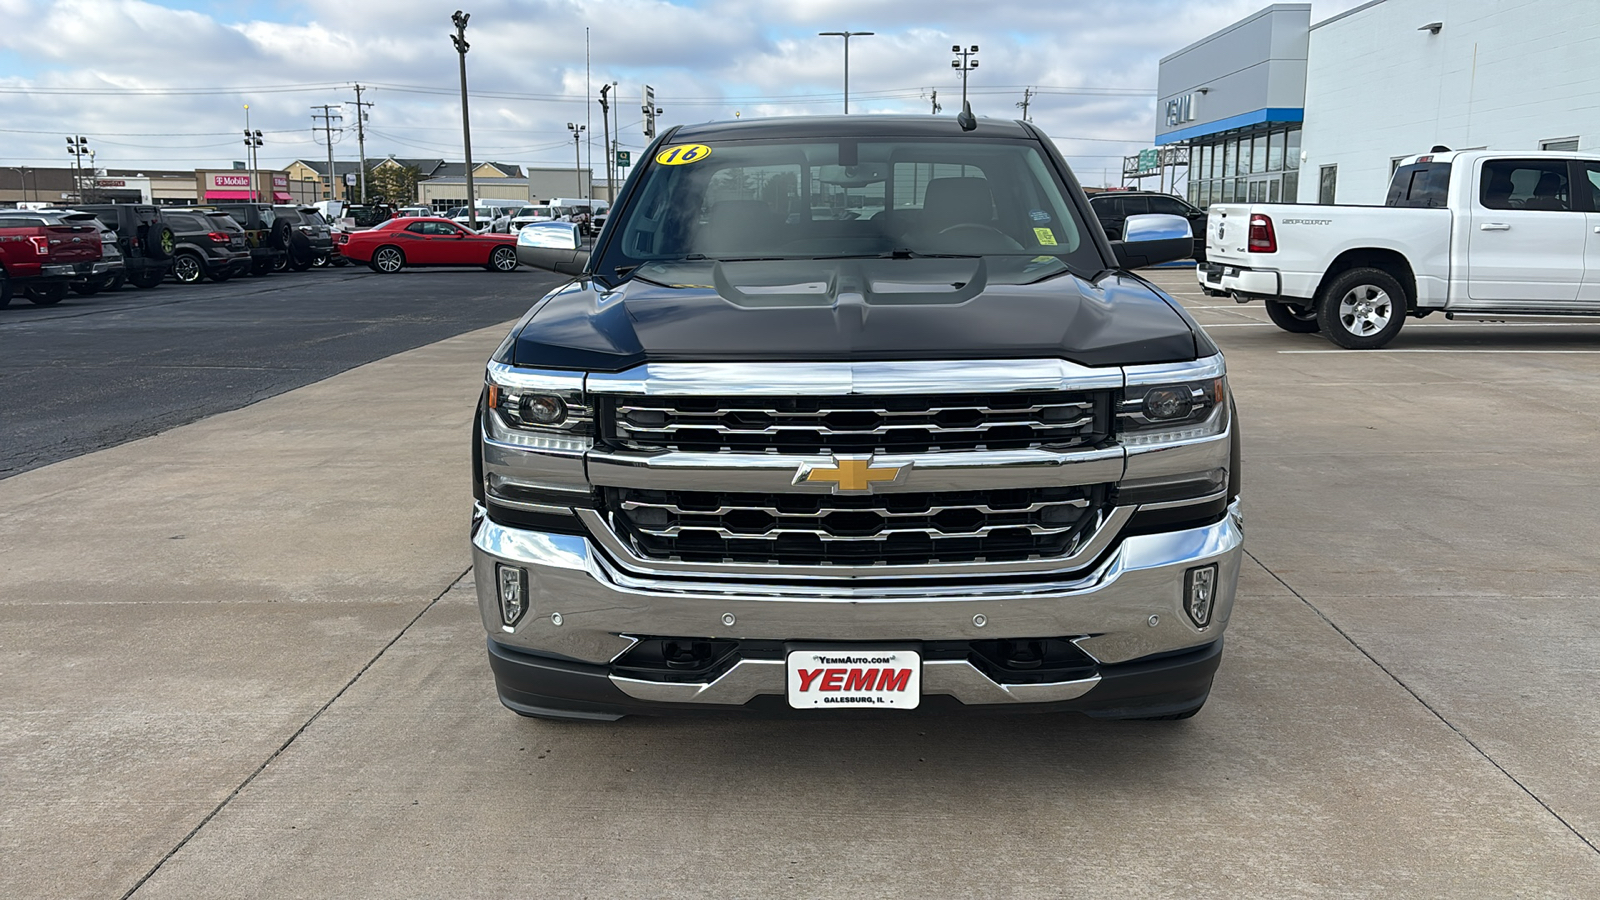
column 1274, row 107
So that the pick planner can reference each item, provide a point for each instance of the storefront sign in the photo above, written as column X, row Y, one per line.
column 110, row 182
column 230, row 181
column 1181, row 110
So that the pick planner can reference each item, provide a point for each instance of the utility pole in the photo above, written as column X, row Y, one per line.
column 605, row 119
column 460, row 40
column 327, row 129
column 966, row 64
column 1027, row 95
column 361, row 141
column 847, row 35
column 577, row 153
column 936, row 106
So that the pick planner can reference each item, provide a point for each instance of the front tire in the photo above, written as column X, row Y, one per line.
column 1362, row 309
column 388, row 260
column 503, row 259
column 47, row 294
column 1293, row 317
column 149, row 279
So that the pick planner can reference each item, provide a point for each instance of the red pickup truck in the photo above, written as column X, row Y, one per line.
column 41, row 253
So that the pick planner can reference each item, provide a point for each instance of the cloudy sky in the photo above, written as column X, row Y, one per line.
column 164, row 85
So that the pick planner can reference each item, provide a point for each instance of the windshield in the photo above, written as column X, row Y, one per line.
column 897, row 198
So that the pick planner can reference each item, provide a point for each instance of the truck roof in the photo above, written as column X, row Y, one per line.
column 797, row 127
column 1452, row 156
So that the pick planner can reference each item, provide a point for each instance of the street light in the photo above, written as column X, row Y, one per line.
column 847, row 35
column 577, row 154
column 460, row 40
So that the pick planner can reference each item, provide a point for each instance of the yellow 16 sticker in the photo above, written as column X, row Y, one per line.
column 683, row 154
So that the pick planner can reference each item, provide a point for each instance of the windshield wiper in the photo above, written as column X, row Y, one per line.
column 908, row 253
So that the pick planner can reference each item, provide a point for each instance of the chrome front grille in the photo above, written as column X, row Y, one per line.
column 854, row 530
column 859, row 424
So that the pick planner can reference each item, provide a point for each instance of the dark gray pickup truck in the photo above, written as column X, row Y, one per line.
column 855, row 412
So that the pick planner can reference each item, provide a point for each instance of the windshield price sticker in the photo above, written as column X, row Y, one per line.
column 861, row 679
column 683, row 154
column 1047, row 238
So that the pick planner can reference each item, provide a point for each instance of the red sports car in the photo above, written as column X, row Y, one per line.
column 432, row 241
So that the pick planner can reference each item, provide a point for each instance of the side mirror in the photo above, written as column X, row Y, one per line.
column 556, row 246
column 1153, row 238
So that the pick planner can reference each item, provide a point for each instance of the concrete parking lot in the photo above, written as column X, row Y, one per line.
column 241, row 657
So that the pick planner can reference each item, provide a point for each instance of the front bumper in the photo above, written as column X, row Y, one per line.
column 1125, row 611
column 1240, row 280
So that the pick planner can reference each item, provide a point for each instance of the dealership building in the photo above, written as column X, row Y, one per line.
column 1275, row 107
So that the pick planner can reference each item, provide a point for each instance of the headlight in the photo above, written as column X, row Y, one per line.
column 1161, row 405
column 536, row 430
column 540, row 403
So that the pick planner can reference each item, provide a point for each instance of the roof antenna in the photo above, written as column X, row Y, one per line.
column 966, row 119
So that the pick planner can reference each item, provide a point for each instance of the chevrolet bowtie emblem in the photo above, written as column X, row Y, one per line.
column 850, row 476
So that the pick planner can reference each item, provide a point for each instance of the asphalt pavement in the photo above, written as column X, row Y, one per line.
column 94, row 372
column 242, row 657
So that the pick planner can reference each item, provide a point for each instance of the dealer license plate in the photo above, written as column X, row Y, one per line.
column 865, row 679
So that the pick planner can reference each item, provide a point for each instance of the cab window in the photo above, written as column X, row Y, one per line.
column 1536, row 184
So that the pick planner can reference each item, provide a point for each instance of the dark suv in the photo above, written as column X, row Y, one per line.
column 1113, row 208
column 268, row 239
column 309, row 237
column 145, row 241
column 204, row 248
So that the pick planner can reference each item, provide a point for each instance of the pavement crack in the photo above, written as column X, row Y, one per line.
column 293, row 737
column 1425, row 704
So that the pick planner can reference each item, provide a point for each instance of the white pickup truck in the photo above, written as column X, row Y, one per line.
column 1479, row 232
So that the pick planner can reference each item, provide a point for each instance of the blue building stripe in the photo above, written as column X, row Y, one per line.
column 1255, row 117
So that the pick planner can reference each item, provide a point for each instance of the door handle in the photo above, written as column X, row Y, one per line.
column 1495, row 226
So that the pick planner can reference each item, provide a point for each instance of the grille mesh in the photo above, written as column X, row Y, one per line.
column 855, row 530
column 854, row 424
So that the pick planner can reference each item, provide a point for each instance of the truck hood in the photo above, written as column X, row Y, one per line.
column 839, row 310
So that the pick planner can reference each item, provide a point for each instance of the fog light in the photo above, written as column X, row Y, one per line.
column 513, row 583
column 543, row 409
column 1167, row 403
column 1199, row 590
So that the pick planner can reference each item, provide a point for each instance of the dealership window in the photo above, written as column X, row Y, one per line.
column 1292, row 155
column 1258, row 154
column 1275, row 151
column 1327, row 182
column 1562, row 144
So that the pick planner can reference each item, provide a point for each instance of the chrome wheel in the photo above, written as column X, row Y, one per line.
column 388, row 260
column 1365, row 310
column 187, row 269
column 504, row 259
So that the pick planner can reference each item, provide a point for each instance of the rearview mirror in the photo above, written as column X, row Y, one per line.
column 557, row 246
column 1153, row 238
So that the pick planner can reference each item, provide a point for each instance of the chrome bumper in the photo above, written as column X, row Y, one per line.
column 584, row 607
column 1237, row 279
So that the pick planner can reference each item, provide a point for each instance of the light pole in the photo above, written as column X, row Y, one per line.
column 252, row 146
column 577, row 154
column 611, row 156
column 966, row 64
column 460, row 40
column 77, row 148
column 847, row 35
